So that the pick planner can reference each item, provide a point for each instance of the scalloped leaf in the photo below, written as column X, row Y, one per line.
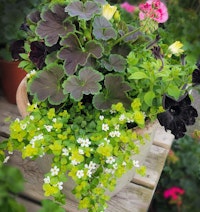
column 116, row 63
column 86, row 83
column 47, row 85
column 116, row 91
column 102, row 29
column 83, row 11
column 53, row 25
column 74, row 55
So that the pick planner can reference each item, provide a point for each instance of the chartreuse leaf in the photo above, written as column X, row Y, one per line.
column 86, row 83
column 116, row 63
column 138, row 75
column 47, row 85
column 75, row 55
column 83, row 10
column 102, row 29
column 49, row 205
column 173, row 91
column 116, row 91
column 148, row 97
column 51, row 27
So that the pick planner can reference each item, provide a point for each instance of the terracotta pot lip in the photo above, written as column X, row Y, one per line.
column 9, row 61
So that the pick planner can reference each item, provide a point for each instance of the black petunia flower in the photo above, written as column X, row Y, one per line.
column 16, row 48
column 196, row 75
column 38, row 54
column 178, row 114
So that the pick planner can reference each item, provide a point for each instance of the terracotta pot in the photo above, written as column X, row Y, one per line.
column 11, row 76
column 44, row 163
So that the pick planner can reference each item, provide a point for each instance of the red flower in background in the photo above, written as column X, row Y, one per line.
column 174, row 193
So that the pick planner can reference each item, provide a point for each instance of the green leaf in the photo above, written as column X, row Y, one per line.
column 75, row 55
column 110, row 95
column 102, row 29
column 52, row 26
column 138, row 75
column 148, row 97
column 174, row 91
column 47, row 85
column 83, row 10
column 86, row 83
column 49, row 205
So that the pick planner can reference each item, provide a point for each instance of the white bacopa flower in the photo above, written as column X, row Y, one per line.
column 48, row 127
column 101, row 117
column 60, row 185
column 89, row 173
column 81, row 152
column 31, row 117
column 105, row 127
column 23, row 126
column 122, row 117
column 112, row 111
column 114, row 134
column 124, row 163
column 54, row 120
column 107, row 140
column 74, row 162
column 92, row 165
column 80, row 173
column 65, row 152
column 6, row 159
column 115, row 166
column 117, row 127
column 109, row 171
column 136, row 163
column 47, row 180
column 54, row 171
column 110, row 160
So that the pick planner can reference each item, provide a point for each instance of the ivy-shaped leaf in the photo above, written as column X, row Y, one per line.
column 75, row 55
column 53, row 25
column 116, row 63
column 86, row 83
column 47, row 85
column 116, row 91
column 83, row 11
column 102, row 29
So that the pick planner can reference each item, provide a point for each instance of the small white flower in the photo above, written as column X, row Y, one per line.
column 107, row 140
column 101, row 117
column 122, row 117
column 92, row 165
column 48, row 127
column 112, row 111
column 115, row 166
column 31, row 117
column 74, row 162
column 60, row 185
column 65, row 152
column 6, row 159
column 114, row 134
column 80, row 173
column 136, row 163
column 81, row 152
column 109, row 171
column 23, row 126
column 54, row 171
column 124, row 163
column 54, row 120
column 47, row 179
column 110, row 160
column 117, row 127
column 89, row 173
column 9, row 152
column 105, row 127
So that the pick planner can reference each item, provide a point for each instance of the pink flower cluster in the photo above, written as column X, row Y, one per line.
column 154, row 9
column 128, row 7
column 174, row 193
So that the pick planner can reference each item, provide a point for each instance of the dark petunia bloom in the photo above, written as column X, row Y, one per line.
column 178, row 114
column 16, row 48
column 38, row 54
column 196, row 75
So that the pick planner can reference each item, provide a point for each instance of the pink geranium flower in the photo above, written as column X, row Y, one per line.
column 154, row 9
column 128, row 7
column 174, row 193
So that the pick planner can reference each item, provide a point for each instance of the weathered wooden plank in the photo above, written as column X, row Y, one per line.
column 154, row 164
column 162, row 138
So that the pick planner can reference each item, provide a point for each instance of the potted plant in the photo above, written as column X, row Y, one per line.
column 96, row 79
column 12, row 13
